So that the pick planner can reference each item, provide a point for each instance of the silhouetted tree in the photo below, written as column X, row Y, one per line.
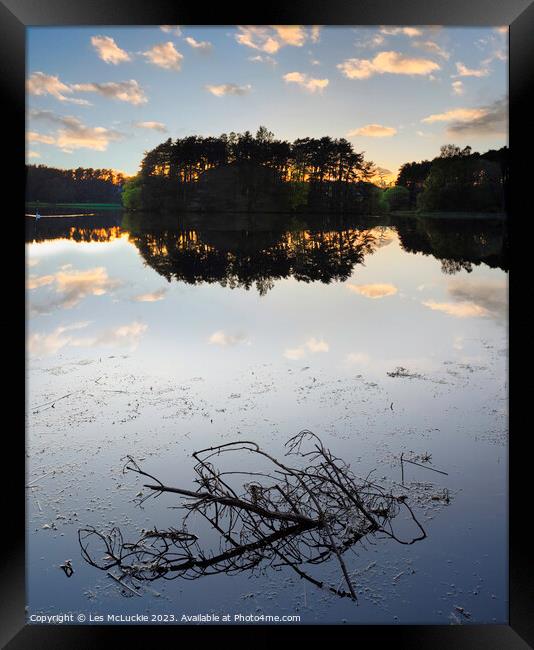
column 459, row 180
column 412, row 176
column 330, row 167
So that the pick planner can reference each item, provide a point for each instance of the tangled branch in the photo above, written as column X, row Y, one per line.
column 293, row 516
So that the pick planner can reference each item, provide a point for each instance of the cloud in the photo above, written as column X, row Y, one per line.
column 373, row 40
column 39, row 114
column 474, row 121
column 499, row 54
column 203, row 46
column 228, row 89
column 490, row 295
column 72, row 287
column 165, row 55
column 458, row 310
column 494, row 119
column 407, row 31
column 258, row 38
column 387, row 62
column 291, row 34
column 464, row 71
column 72, row 134
column 154, row 126
column 108, row 50
column 474, row 299
column 76, row 135
column 40, row 344
column 171, row 29
column 223, row 339
column 383, row 174
column 128, row 335
column 305, row 81
column 33, row 154
column 459, row 114
column 262, row 58
column 315, row 345
column 374, row 131
column 373, row 290
column 270, row 39
column 358, row 358
column 458, row 87
column 311, row 345
column 34, row 282
column 154, row 296
column 432, row 48
column 40, row 83
column 125, row 91
column 122, row 336
column 315, row 33
column 33, row 136
column 294, row 353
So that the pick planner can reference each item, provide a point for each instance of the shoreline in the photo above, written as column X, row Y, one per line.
column 448, row 215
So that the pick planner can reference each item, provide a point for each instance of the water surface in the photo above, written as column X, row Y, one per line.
column 155, row 337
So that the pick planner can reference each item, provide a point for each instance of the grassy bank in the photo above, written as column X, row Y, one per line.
column 89, row 206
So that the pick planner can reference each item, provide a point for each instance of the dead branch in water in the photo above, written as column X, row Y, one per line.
column 294, row 516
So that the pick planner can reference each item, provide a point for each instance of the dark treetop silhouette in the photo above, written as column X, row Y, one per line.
column 458, row 180
column 80, row 185
column 296, row 516
column 239, row 172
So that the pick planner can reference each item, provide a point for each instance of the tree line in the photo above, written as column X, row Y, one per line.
column 457, row 180
column 305, row 159
column 80, row 185
column 242, row 172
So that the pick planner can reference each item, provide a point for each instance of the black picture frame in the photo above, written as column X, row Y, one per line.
column 15, row 16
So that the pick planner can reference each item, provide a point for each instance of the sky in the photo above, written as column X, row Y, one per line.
column 102, row 96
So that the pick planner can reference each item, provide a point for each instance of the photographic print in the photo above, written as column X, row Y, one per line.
column 267, row 324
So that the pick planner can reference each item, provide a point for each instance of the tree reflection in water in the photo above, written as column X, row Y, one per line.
column 245, row 251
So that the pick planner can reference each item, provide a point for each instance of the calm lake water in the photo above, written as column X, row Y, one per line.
column 157, row 337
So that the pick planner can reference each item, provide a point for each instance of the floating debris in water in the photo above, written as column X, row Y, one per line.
column 400, row 371
column 301, row 516
column 67, row 568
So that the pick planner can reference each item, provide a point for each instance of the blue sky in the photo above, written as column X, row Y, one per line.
column 102, row 96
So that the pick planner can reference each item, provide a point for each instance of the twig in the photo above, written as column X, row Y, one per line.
column 425, row 467
column 39, row 478
column 123, row 585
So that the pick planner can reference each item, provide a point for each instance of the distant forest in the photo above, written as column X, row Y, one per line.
column 51, row 185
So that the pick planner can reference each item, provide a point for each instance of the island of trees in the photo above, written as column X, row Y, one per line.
column 241, row 172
